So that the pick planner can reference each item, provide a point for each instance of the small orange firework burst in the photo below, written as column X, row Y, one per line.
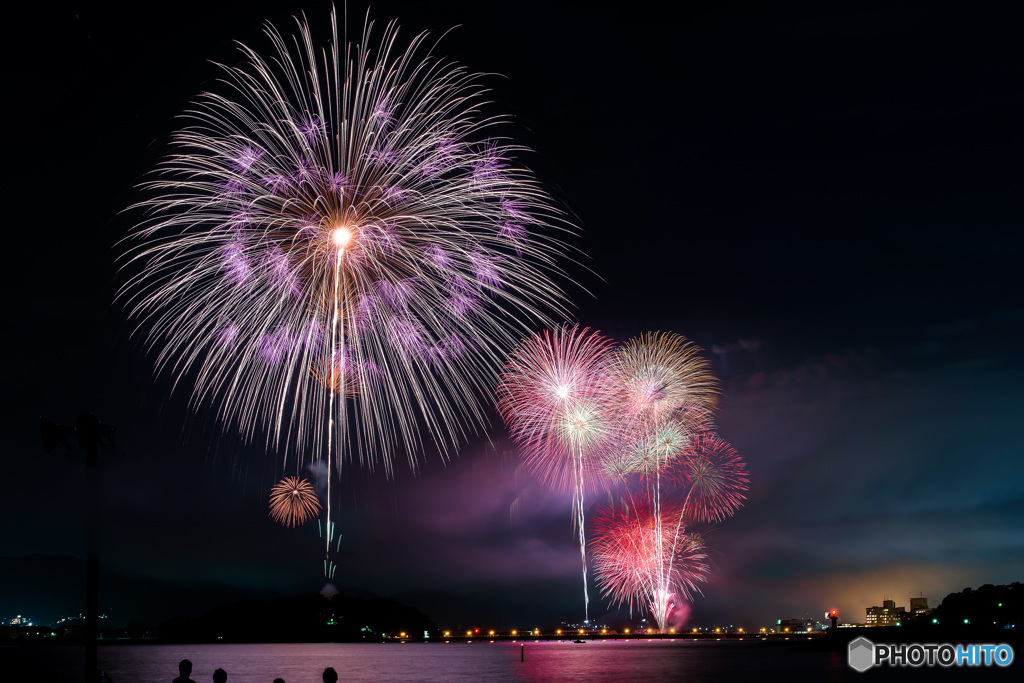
column 293, row 501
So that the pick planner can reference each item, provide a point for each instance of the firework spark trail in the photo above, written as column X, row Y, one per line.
column 329, row 536
column 356, row 187
column 555, row 400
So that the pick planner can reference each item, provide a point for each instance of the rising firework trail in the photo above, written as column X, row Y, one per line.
column 556, row 403
column 341, row 250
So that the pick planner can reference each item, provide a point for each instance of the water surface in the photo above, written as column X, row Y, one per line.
column 622, row 660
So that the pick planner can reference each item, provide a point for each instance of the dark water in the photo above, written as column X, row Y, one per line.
column 679, row 660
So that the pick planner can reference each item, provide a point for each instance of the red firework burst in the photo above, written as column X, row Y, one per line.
column 643, row 556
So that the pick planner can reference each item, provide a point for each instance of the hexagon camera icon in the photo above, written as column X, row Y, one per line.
column 862, row 654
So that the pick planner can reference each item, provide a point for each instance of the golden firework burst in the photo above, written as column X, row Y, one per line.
column 293, row 501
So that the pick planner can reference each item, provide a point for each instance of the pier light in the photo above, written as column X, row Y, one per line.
column 469, row 633
column 447, row 633
column 402, row 634
column 627, row 630
column 536, row 631
column 671, row 630
column 558, row 632
column 490, row 633
column 581, row 630
column 514, row 632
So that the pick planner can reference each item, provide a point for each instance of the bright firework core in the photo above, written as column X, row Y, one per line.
column 341, row 237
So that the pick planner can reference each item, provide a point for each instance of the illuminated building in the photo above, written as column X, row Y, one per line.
column 886, row 615
column 919, row 606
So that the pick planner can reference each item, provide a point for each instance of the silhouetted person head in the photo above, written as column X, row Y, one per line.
column 185, row 669
column 220, row 676
column 278, row 680
column 330, row 675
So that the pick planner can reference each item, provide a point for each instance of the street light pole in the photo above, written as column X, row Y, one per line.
column 91, row 435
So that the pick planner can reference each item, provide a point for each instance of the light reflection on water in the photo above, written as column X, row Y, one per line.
column 624, row 660
column 457, row 661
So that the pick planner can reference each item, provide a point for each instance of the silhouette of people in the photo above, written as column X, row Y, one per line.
column 330, row 675
column 220, row 676
column 185, row 670
column 278, row 680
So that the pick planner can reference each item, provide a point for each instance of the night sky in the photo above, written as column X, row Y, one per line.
column 827, row 199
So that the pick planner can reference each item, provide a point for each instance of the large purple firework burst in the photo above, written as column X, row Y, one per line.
column 343, row 221
column 341, row 249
